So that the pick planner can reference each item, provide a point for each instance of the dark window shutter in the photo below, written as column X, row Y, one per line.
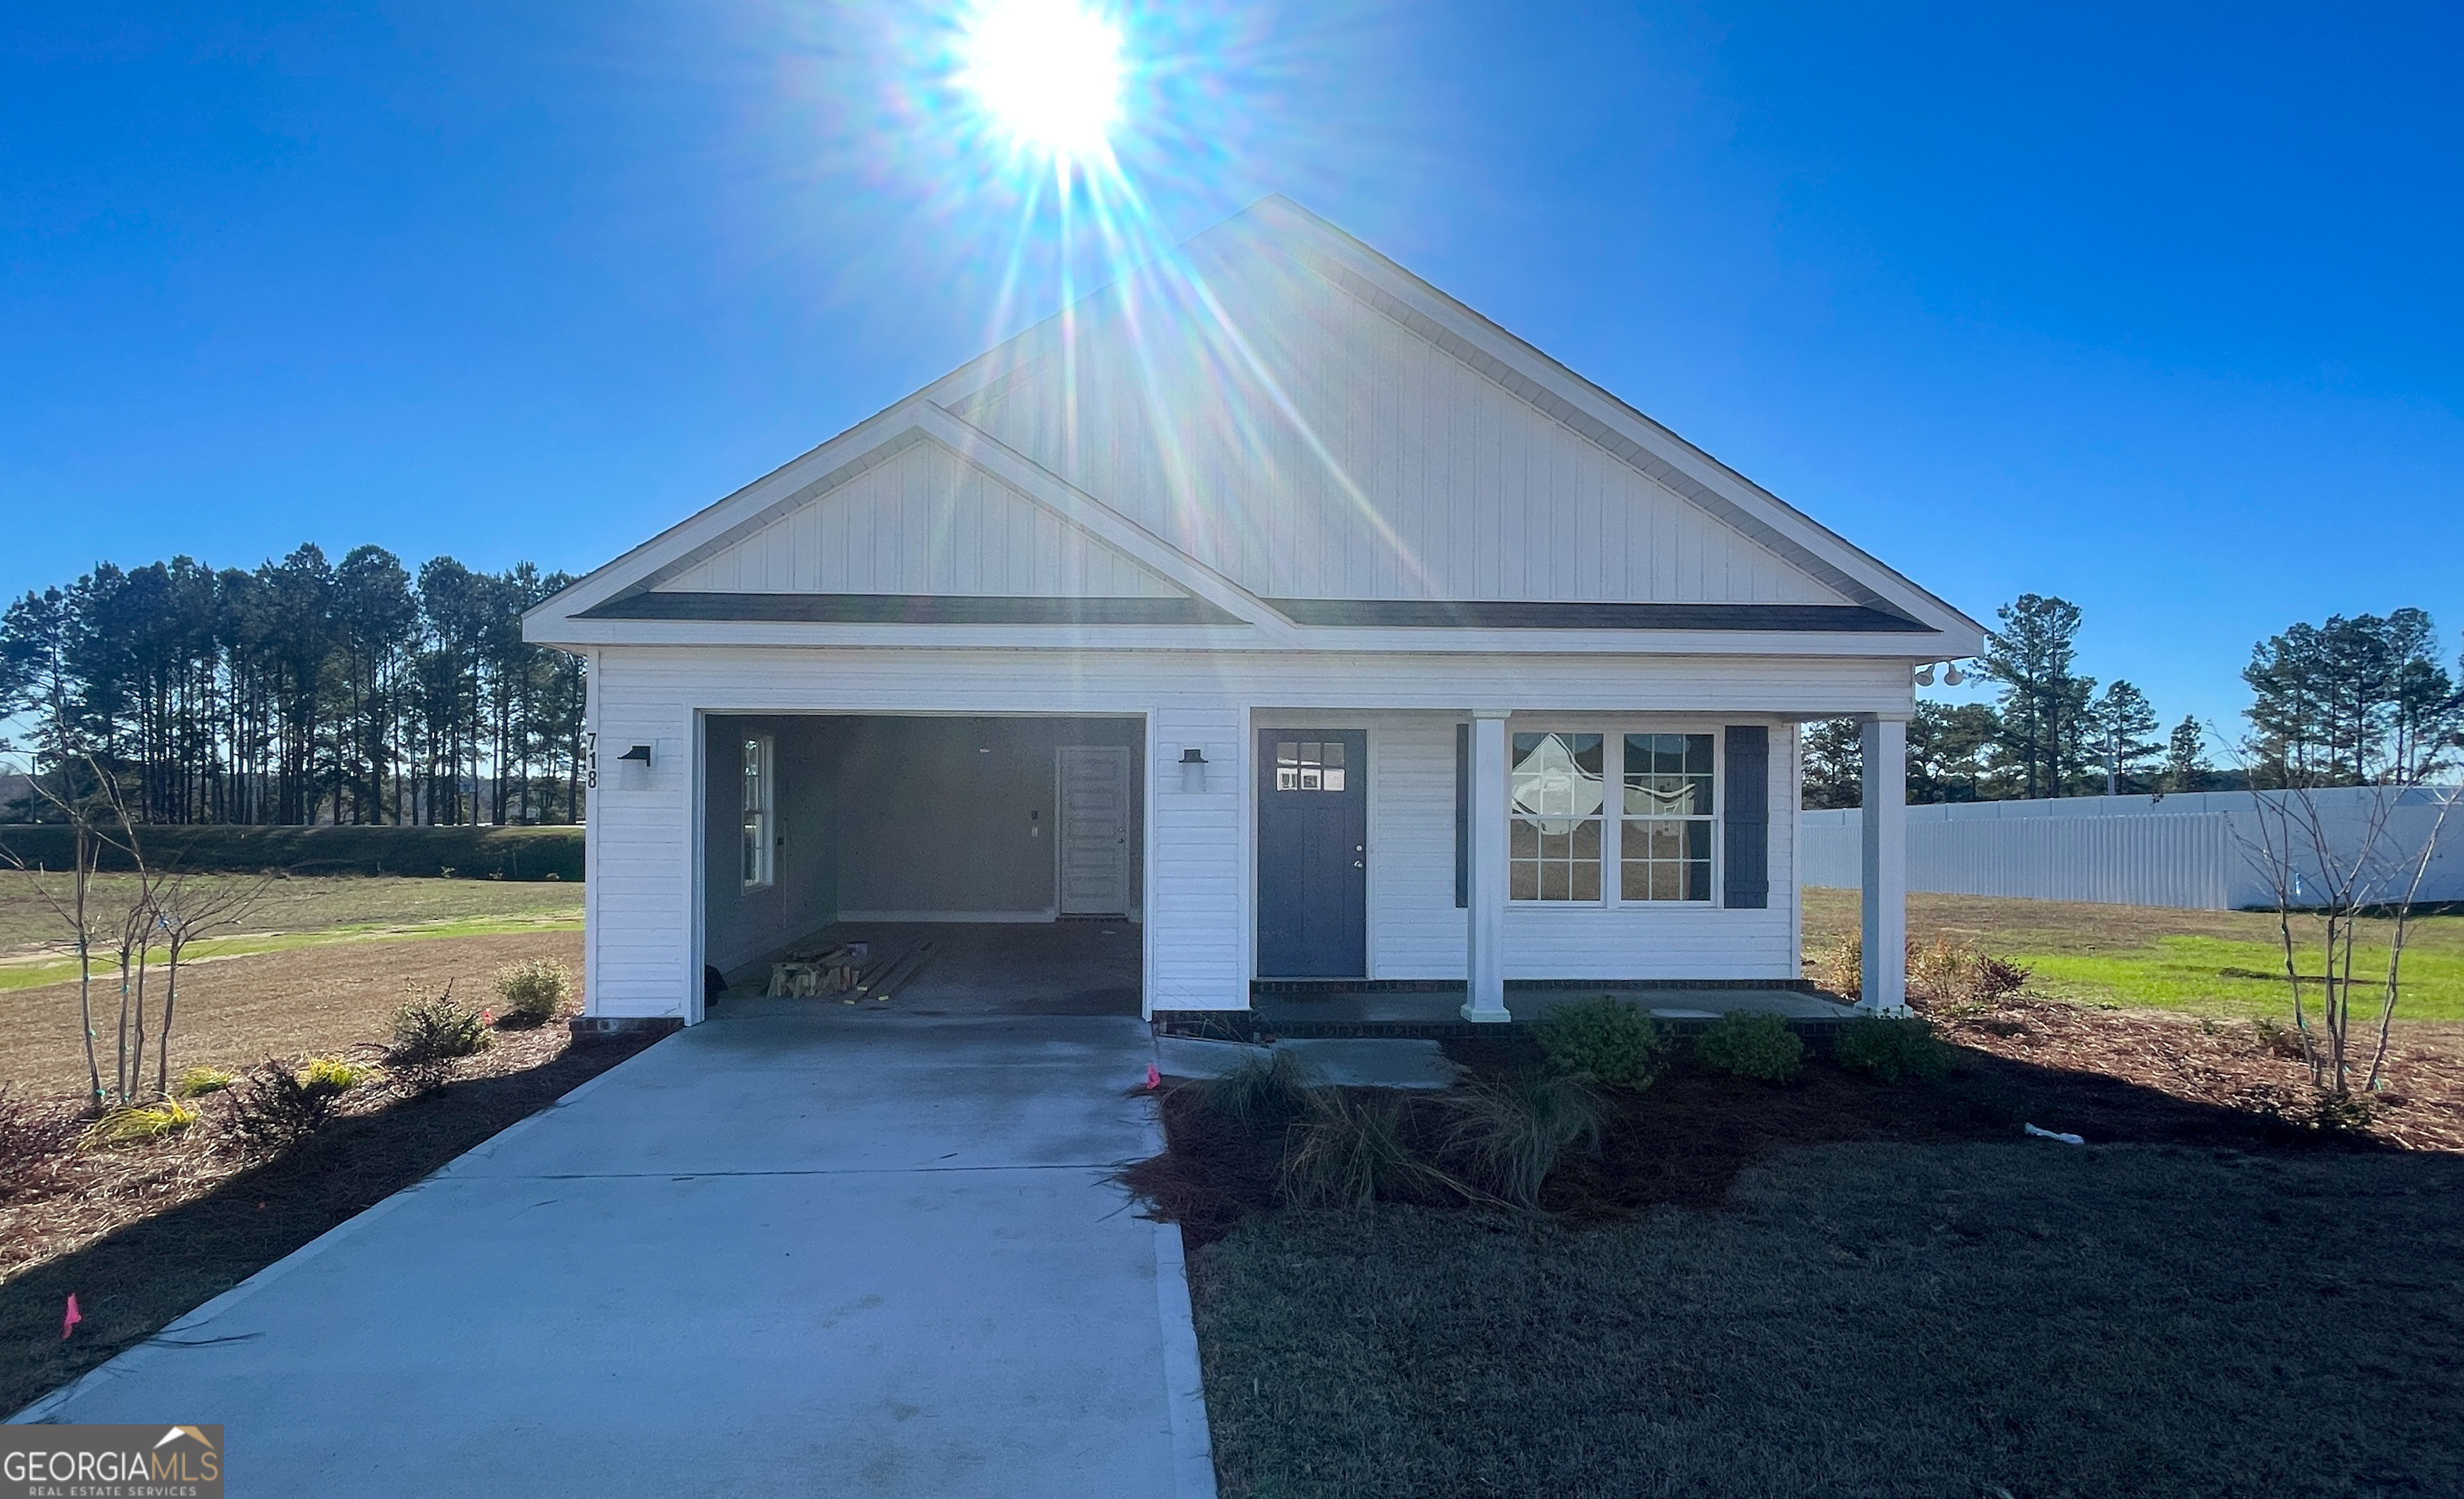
column 1463, row 815
column 1747, row 796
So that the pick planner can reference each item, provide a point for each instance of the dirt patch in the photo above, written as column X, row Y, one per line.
column 308, row 1001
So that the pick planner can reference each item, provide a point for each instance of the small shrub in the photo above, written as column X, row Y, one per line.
column 1840, row 967
column 1759, row 1046
column 1953, row 973
column 1347, row 1151
column 1608, row 1041
column 1892, row 1050
column 2276, row 1041
column 1508, row 1134
column 1997, row 978
column 440, row 1029
column 1946, row 973
column 275, row 1107
column 198, row 1081
column 532, row 991
column 140, row 1124
column 1265, row 1091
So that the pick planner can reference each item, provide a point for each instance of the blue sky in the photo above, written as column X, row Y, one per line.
column 2158, row 309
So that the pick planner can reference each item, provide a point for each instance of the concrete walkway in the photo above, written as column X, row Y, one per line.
column 765, row 1257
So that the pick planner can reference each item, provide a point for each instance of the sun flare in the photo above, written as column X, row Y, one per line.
column 1047, row 71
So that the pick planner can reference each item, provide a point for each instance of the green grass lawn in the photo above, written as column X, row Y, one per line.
column 295, row 913
column 1880, row 1319
column 2148, row 956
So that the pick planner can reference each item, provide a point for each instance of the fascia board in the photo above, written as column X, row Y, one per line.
column 904, row 637
column 1452, row 643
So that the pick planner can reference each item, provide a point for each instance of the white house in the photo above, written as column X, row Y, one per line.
column 1270, row 600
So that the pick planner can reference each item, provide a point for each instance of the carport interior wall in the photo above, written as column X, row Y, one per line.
column 895, row 818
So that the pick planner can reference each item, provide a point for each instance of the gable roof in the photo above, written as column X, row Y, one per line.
column 1273, row 437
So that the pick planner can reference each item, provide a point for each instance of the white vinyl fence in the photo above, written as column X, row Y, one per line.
column 2204, row 850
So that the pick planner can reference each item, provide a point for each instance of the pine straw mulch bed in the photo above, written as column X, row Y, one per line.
column 143, row 1234
column 2113, row 1077
column 2109, row 1060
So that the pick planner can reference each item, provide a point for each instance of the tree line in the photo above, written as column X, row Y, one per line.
column 2356, row 701
column 299, row 692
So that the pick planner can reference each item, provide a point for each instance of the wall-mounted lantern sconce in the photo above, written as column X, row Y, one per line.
column 1193, row 768
column 640, row 752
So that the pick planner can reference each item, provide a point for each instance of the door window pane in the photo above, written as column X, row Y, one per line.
column 1308, row 765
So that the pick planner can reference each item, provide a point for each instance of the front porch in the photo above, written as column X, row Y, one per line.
column 1435, row 1009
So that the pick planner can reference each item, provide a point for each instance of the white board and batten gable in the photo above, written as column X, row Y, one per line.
column 1280, row 441
column 1275, row 469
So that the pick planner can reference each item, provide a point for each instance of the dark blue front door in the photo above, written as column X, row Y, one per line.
column 1313, row 853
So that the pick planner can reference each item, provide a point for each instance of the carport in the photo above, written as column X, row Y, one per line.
column 996, row 862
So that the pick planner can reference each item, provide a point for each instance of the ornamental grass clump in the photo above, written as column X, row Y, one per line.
column 198, row 1081
column 1267, row 1091
column 1746, row 1045
column 336, row 1074
column 1348, row 1150
column 1891, row 1050
column 140, row 1124
column 1607, row 1041
column 1508, row 1134
column 532, row 991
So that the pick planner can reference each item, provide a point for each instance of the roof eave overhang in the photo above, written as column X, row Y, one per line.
column 573, row 633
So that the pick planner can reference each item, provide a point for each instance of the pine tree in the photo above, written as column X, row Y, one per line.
column 2186, row 761
column 2045, row 705
column 2126, row 726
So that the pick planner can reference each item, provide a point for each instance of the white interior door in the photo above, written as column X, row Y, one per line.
column 1095, row 824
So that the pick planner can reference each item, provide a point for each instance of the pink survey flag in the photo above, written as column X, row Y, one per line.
column 1155, row 1079
column 71, row 1318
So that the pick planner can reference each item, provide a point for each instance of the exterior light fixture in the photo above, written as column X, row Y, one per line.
column 640, row 752
column 1924, row 675
column 1953, row 675
column 1193, row 768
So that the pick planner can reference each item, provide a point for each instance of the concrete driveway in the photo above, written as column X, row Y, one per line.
column 767, row 1256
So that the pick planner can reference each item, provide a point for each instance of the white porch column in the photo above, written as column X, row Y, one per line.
column 1484, row 887
column 1885, row 975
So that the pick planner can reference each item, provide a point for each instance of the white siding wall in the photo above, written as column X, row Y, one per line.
column 1312, row 448
column 640, row 832
column 1416, row 929
column 926, row 522
column 1199, row 880
column 1197, row 900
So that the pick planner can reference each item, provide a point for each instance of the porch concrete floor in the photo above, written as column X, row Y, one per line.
column 1442, row 1007
column 979, row 968
column 766, row 1256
